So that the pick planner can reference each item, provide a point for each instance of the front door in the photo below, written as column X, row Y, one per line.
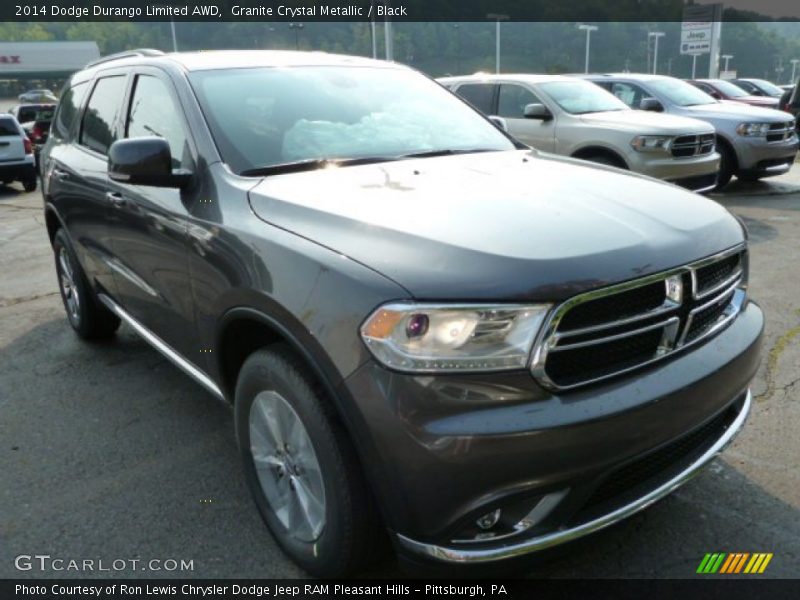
column 149, row 224
column 511, row 102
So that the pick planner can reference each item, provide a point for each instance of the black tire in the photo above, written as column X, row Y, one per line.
column 352, row 536
column 727, row 164
column 90, row 319
column 29, row 184
column 602, row 158
column 8, row 181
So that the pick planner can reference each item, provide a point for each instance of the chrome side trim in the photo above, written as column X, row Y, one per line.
column 163, row 347
column 473, row 555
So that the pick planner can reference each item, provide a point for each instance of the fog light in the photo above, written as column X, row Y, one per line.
column 489, row 520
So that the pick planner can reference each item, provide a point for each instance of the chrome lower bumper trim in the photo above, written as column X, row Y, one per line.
column 474, row 555
column 163, row 347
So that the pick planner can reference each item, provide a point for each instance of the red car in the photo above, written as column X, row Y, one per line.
column 725, row 90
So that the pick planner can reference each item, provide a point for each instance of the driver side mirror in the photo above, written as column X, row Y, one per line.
column 145, row 161
column 651, row 104
column 716, row 95
column 537, row 111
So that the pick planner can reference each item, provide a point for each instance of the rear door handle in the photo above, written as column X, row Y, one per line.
column 116, row 199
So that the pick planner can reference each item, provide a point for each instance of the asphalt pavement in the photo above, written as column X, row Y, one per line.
column 108, row 452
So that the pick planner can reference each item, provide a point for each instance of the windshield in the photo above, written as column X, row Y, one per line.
column 263, row 117
column 680, row 93
column 730, row 89
column 580, row 97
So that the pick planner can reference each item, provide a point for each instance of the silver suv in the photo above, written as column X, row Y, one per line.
column 572, row 117
column 753, row 142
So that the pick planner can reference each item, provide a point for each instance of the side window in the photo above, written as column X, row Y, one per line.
column 630, row 94
column 513, row 99
column 153, row 112
column 105, row 103
column 480, row 95
column 68, row 108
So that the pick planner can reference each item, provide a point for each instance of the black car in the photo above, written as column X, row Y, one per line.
column 429, row 333
column 759, row 87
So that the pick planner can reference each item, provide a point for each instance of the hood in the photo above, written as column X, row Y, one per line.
column 737, row 111
column 639, row 121
column 504, row 225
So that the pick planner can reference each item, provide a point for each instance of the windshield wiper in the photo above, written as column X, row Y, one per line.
column 310, row 164
column 444, row 152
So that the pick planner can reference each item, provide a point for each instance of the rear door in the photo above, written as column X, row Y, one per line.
column 149, row 225
column 75, row 170
column 512, row 98
column 12, row 144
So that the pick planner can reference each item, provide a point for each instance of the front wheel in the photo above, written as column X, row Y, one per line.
column 301, row 467
column 727, row 165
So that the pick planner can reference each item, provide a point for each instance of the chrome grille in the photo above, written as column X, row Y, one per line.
column 779, row 132
column 685, row 146
column 606, row 332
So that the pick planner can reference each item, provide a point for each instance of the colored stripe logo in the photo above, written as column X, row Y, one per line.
column 734, row 563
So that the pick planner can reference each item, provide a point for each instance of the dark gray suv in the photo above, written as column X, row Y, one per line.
column 429, row 334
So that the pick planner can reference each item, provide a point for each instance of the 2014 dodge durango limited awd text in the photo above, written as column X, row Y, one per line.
column 429, row 334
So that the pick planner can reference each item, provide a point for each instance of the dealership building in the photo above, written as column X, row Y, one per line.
column 48, row 64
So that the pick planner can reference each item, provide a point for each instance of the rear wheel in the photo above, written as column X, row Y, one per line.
column 301, row 467
column 89, row 318
column 29, row 184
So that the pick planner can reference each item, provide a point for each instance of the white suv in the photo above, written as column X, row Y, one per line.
column 572, row 117
column 16, row 154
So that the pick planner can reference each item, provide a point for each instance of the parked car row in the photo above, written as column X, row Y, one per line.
column 697, row 140
column 429, row 332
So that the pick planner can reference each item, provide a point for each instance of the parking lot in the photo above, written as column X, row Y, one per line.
column 109, row 452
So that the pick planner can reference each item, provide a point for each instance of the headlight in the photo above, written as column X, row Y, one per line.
column 752, row 129
column 435, row 337
column 651, row 143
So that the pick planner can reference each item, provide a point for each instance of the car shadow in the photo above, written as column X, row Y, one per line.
column 108, row 451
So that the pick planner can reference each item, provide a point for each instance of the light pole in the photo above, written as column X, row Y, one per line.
column 372, row 32
column 727, row 58
column 296, row 27
column 174, row 37
column 656, row 35
column 588, row 29
column 497, row 18
column 694, row 64
column 457, row 28
column 388, row 36
column 794, row 62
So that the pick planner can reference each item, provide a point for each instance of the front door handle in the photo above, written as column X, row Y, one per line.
column 116, row 199
column 60, row 175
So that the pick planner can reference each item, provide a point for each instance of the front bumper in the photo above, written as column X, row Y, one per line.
column 759, row 157
column 693, row 173
column 442, row 451
column 548, row 540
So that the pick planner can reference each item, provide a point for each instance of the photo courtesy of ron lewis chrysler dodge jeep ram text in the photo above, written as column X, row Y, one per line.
column 430, row 334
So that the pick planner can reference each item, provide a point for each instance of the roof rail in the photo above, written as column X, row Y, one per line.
column 126, row 54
